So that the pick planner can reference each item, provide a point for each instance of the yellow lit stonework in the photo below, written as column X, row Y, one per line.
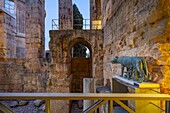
column 96, row 24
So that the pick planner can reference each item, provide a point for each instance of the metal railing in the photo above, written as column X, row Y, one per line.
column 102, row 99
column 84, row 24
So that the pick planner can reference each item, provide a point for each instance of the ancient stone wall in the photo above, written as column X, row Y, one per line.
column 95, row 10
column 20, row 29
column 65, row 14
column 15, row 77
column 13, row 31
column 95, row 14
column 35, row 40
column 61, row 43
column 3, row 53
column 138, row 28
column 10, row 26
column 16, row 74
column 8, row 30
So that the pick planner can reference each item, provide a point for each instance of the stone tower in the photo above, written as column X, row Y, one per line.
column 65, row 14
column 35, row 29
column 7, row 29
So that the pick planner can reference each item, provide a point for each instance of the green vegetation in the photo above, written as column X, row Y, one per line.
column 77, row 18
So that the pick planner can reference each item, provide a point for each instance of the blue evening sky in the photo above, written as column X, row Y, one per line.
column 52, row 13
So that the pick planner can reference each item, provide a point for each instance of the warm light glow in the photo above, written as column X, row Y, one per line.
column 96, row 24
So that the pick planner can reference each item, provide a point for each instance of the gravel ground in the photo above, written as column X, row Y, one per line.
column 29, row 108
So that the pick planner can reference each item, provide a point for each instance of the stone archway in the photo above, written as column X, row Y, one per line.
column 61, row 42
column 80, row 57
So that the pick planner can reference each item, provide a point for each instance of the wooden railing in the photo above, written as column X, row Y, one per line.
column 102, row 99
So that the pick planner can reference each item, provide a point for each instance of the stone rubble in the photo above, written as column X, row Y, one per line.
column 23, row 103
column 24, row 106
column 38, row 103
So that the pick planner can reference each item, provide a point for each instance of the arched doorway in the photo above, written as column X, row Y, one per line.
column 81, row 65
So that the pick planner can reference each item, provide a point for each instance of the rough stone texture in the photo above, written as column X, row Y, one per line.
column 28, row 108
column 22, row 66
column 9, row 82
column 28, row 22
column 15, row 77
column 95, row 14
column 8, row 30
column 38, row 103
column 20, row 14
column 42, row 107
column 35, row 40
column 14, row 104
column 59, row 86
column 60, row 45
column 3, row 53
column 20, row 49
column 131, row 28
column 138, row 28
column 23, row 102
column 65, row 14
column 95, row 10
column 20, row 29
column 12, row 25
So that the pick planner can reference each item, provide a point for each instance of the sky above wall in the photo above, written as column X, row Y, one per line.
column 52, row 13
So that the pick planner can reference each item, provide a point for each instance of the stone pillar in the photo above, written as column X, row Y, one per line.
column 3, row 39
column 87, row 87
column 95, row 14
column 65, row 14
column 20, row 29
column 7, row 34
column 35, row 28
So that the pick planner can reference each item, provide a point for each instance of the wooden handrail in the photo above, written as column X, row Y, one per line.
column 84, row 96
column 110, row 97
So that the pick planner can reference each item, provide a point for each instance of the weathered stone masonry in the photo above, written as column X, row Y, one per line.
column 130, row 28
column 22, row 66
column 61, row 43
column 138, row 28
column 35, row 29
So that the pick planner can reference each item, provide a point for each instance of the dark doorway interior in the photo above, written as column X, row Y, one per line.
column 81, row 67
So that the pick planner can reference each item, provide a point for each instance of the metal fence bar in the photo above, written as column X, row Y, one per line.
column 5, row 109
column 124, row 106
column 55, row 24
column 157, row 106
column 87, row 96
column 85, row 25
column 167, row 107
column 95, row 106
column 110, row 106
column 47, row 106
